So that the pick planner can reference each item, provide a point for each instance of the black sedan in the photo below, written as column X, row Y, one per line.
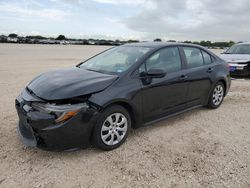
column 99, row 100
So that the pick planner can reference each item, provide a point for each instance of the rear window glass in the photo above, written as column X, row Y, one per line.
column 194, row 57
column 206, row 57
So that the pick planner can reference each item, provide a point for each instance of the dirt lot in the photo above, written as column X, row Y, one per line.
column 202, row 148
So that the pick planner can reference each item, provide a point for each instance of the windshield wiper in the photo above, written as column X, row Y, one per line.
column 94, row 70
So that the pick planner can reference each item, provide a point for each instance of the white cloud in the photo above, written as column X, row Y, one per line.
column 144, row 3
column 144, row 19
column 121, row 2
column 50, row 13
column 194, row 20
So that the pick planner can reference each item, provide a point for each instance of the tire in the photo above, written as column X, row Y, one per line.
column 216, row 96
column 112, row 128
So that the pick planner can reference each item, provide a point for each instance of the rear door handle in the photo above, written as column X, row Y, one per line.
column 183, row 77
column 209, row 70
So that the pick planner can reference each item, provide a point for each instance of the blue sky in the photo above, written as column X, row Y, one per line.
column 128, row 19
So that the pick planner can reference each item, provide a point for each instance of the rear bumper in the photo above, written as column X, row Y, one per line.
column 239, row 69
column 74, row 133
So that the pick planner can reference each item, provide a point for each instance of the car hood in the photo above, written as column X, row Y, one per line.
column 236, row 58
column 69, row 83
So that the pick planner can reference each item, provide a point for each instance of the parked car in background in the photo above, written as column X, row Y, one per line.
column 99, row 100
column 238, row 57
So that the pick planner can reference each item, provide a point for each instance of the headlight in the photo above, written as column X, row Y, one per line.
column 62, row 112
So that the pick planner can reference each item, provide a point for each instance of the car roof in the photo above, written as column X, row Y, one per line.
column 242, row 43
column 160, row 44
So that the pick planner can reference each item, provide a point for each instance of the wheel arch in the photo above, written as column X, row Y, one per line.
column 128, row 107
column 213, row 85
column 224, row 84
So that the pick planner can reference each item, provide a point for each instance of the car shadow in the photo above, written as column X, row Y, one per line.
column 240, row 77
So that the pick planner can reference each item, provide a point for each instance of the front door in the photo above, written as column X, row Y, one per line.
column 163, row 96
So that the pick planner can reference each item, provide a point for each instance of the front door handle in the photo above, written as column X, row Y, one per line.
column 209, row 70
column 183, row 77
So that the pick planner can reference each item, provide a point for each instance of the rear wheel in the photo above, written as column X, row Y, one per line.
column 112, row 128
column 216, row 96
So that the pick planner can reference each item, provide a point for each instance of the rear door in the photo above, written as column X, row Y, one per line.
column 199, row 73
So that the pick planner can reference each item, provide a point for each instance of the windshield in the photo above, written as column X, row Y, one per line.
column 115, row 60
column 239, row 49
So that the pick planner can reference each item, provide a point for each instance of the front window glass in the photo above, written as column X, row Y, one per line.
column 193, row 56
column 115, row 60
column 167, row 59
column 239, row 49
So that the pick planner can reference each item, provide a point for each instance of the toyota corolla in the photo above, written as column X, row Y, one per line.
column 98, row 101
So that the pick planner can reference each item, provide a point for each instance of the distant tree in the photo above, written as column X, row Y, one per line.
column 132, row 41
column 39, row 37
column 171, row 40
column 206, row 43
column 13, row 35
column 231, row 43
column 61, row 37
column 203, row 43
column 117, row 41
column 157, row 40
column 196, row 42
column 212, row 44
column 221, row 44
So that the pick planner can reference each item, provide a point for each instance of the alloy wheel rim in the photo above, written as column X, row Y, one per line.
column 114, row 128
column 218, row 95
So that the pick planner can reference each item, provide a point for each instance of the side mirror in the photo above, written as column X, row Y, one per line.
column 156, row 73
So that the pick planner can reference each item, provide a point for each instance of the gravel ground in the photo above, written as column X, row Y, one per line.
column 201, row 148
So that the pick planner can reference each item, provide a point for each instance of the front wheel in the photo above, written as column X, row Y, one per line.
column 216, row 96
column 112, row 128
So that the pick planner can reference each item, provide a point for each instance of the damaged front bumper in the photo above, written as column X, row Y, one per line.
column 38, row 129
